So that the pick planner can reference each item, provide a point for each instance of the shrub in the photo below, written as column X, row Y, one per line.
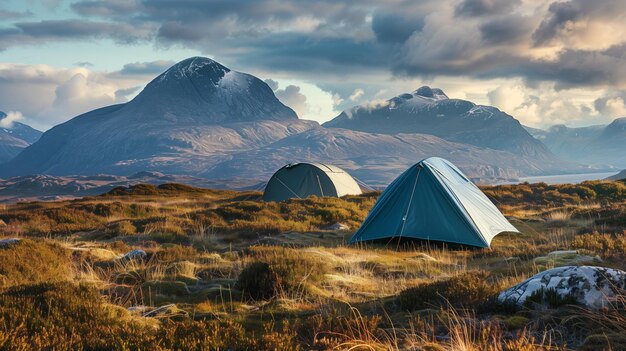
column 30, row 261
column 466, row 289
column 258, row 281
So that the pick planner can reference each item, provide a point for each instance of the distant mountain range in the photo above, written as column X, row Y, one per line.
column 599, row 146
column 15, row 138
column 430, row 111
column 199, row 118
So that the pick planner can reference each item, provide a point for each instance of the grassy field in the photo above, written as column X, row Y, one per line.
column 225, row 271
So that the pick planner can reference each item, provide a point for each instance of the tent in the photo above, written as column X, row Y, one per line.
column 301, row 180
column 433, row 200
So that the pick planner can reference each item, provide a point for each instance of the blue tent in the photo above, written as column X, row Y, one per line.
column 433, row 200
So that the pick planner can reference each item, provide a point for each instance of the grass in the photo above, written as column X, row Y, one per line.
column 233, row 272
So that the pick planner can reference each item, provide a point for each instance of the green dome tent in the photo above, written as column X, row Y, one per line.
column 301, row 180
column 433, row 200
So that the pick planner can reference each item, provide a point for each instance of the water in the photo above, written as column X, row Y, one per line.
column 566, row 178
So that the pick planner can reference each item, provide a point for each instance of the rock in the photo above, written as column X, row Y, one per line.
column 420, row 256
column 566, row 258
column 166, row 311
column 8, row 241
column 338, row 226
column 589, row 286
column 135, row 255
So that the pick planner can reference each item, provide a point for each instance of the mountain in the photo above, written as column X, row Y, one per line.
column 598, row 146
column 15, row 138
column 375, row 158
column 200, row 118
column 184, row 120
column 430, row 111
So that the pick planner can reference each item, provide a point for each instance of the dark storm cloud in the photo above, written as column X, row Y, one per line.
column 485, row 7
column 147, row 68
column 560, row 13
column 395, row 27
column 509, row 29
column 51, row 30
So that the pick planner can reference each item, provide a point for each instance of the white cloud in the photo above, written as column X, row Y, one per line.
column 292, row 97
column 10, row 118
column 357, row 94
column 50, row 95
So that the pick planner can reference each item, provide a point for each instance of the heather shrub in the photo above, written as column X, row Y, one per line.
column 466, row 289
column 34, row 261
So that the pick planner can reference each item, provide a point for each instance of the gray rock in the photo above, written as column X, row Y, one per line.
column 338, row 226
column 592, row 287
column 8, row 241
column 135, row 255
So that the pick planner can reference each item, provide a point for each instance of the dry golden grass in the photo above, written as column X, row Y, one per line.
column 324, row 294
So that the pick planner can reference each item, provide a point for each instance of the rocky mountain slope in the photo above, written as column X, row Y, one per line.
column 15, row 138
column 376, row 158
column 430, row 111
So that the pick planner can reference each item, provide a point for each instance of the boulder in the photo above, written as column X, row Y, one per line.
column 589, row 286
column 8, row 241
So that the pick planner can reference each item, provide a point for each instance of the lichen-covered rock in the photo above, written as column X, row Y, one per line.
column 590, row 286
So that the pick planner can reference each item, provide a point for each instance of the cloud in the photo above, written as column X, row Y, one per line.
column 485, row 7
column 356, row 94
column 146, row 68
column 613, row 105
column 49, row 95
column 11, row 15
column 292, row 97
column 272, row 84
column 341, row 46
column 83, row 64
column 10, row 118
column 54, row 30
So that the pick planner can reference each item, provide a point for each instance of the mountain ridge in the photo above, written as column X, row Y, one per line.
column 430, row 111
column 15, row 138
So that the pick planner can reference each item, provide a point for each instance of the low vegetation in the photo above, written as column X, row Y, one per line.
column 222, row 270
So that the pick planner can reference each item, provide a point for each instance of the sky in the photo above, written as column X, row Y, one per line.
column 543, row 62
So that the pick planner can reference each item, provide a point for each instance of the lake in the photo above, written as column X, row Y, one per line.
column 565, row 178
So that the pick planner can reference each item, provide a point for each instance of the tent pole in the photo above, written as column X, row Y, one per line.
column 410, row 201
